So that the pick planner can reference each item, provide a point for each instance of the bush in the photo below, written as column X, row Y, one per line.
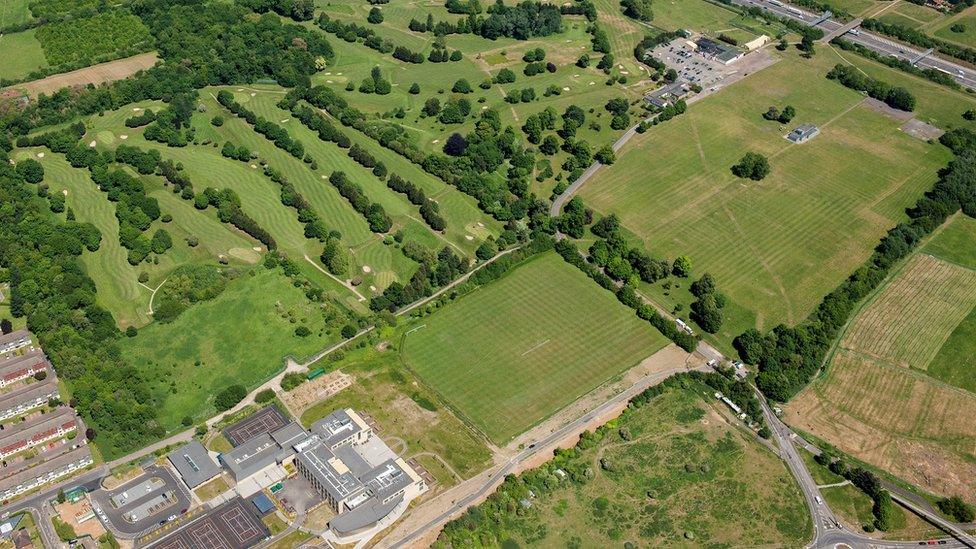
column 292, row 380
column 349, row 331
column 265, row 396
column 229, row 397
column 303, row 331
column 957, row 509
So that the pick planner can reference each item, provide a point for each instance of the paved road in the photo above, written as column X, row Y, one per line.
column 545, row 444
column 964, row 75
column 114, row 518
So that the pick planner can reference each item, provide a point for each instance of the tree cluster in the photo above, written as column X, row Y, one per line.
column 271, row 131
column 894, row 96
column 752, row 166
column 707, row 307
column 298, row 10
column 428, row 276
column 139, row 120
column 783, row 117
column 172, row 125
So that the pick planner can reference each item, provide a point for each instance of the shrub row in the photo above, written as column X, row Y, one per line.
column 271, row 131
column 429, row 210
column 894, row 96
column 375, row 216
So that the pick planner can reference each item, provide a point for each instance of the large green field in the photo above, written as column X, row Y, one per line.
column 775, row 246
column 240, row 337
column 514, row 352
column 670, row 473
column 13, row 12
column 29, row 56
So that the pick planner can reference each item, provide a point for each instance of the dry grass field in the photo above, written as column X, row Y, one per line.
column 930, row 297
column 880, row 402
column 96, row 74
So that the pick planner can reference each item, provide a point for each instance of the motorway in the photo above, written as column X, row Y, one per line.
column 966, row 76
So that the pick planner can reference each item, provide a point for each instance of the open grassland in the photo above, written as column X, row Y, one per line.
column 943, row 29
column 707, row 18
column 14, row 12
column 682, row 477
column 937, row 104
column 910, row 15
column 405, row 410
column 240, row 337
column 775, row 246
column 908, row 322
column 514, row 352
column 896, row 419
column 910, row 421
column 22, row 54
column 955, row 242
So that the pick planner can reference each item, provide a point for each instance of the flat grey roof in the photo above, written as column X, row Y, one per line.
column 362, row 517
column 340, row 484
column 335, row 427
column 252, row 456
column 289, row 435
column 23, row 361
column 194, row 463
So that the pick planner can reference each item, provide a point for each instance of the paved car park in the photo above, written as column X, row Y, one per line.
column 141, row 504
column 692, row 67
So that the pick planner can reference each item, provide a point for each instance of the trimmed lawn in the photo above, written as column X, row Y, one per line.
column 14, row 12
column 22, row 53
column 956, row 242
column 778, row 245
column 515, row 351
column 239, row 337
column 968, row 20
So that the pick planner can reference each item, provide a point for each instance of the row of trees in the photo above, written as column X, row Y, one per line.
column 896, row 97
column 905, row 65
column 351, row 32
column 271, row 131
column 428, row 276
column 299, row 10
column 374, row 213
column 789, row 356
column 429, row 210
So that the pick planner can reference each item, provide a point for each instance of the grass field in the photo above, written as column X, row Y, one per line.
column 954, row 243
column 907, row 323
column 911, row 15
column 775, row 246
column 405, row 409
column 899, row 389
column 516, row 351
column 967, row 19
column 14, row 12
column 29, row 56
column 241, row 336
column 685, row 478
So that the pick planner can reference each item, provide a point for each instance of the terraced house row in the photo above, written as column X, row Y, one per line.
column 41, row 439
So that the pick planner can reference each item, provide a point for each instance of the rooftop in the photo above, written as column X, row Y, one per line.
column 48, row 466
column 16, row 335
column 25, row 360
column 27, row 393
column 338, row 426
column 194, row 463
column 263, row 450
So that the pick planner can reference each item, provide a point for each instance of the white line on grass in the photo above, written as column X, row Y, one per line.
column 534, row 348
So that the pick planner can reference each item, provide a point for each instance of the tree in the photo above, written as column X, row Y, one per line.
column 706, row 313
column 487, row 249
column 61, row 496
column 461, row 86
column 783, row 44
column 752, row 166
column 969, row 115
column 161, row 241
column 31, row 170
column 806, row 46
column 583, row 61
column 605, row 155
column 607, row 225
column 432, row 106
column 549, row 145
column 505, row 76
column 302, row 10
column 334, row 257
column 187, row 421
column 375, row 16
column 6, row 326
column 131, row 331
column 681, row 266
column 303, row 331
column 957, row 509
column 229, row 397
column 702, row 286
column 414, row 89
column 638, row 9
column 265, row 396
column 788, row 113
column 456, row 145
column 348, row 331
column 771, row 114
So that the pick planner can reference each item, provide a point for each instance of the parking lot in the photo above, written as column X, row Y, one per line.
column 692, row 67
column 142, row 503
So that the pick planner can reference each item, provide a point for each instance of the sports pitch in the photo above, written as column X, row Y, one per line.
column 514, row 352
column 778, row 245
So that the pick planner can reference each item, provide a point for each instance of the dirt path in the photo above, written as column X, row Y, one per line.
column 152, row 295
column 348, row 285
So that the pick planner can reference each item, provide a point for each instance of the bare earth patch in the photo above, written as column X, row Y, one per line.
column 96, row 74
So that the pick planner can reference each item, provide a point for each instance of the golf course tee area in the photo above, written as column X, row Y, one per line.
column 515, row 351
